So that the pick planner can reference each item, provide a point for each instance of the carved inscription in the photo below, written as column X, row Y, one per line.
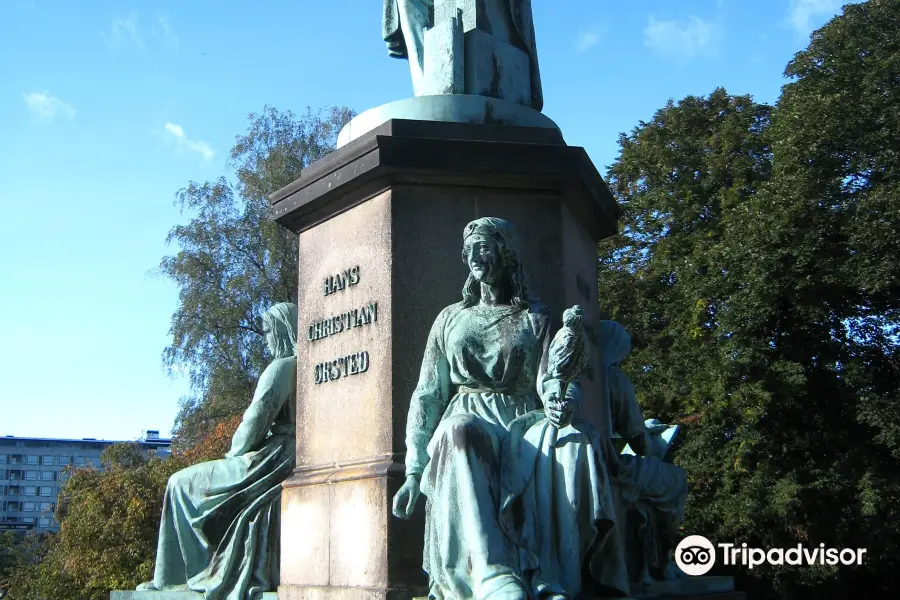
column 332, row 370
column 341, row 281
column 351, row 364
column 357, row 317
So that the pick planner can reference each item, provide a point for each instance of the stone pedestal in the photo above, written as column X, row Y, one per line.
column 380, row 226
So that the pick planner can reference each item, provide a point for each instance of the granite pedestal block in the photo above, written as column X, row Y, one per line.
column 379, row 224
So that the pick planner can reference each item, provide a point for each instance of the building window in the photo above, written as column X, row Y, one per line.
column 48, row 475
column 31, row 475
column 13, row 506
column 79, row 461
column 2, row 459
column 28, row 519
column 44, row 522
column 64, row 475
column 32, row 459
column 29, row 506
column 2, row 473
column 47, row 460
column 12, row 490
column 30, row 490
column 46, row 490
column 15, row 459
column 2, row 490
column 64, row 460
column 47, row 506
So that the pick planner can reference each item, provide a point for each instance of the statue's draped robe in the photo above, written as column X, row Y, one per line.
column 220, row 521
column 503, row 508
column 523, row 23
column 652, row 492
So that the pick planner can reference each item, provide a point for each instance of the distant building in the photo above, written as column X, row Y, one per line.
column 33, row 469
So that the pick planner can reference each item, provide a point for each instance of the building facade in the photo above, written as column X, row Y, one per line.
column 32, row 470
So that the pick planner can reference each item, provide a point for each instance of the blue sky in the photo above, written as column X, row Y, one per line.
column 107, row 108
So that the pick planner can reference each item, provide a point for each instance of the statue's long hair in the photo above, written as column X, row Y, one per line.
column 513, row 272
column 281, row 319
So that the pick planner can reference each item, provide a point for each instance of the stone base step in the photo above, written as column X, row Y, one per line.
column 159, row 595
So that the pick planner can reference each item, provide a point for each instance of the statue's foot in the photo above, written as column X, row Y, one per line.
column 514, row 590
column 147, row 585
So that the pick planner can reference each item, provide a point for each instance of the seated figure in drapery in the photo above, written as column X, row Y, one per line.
column 653, row 492
column 510, row 512
column 219, row 530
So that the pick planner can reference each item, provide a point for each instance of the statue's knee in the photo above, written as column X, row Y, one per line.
column 467, row 433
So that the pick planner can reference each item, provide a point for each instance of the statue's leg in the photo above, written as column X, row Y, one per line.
column 182, row 549
column 657, row 491
column 466, row 552
column 415, row 17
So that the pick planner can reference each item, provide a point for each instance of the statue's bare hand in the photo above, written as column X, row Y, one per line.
column 559, row 413
column 406, row 497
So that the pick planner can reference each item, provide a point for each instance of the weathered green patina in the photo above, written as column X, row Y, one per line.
column 506, row 517
column 483, row 47
column 219, row 532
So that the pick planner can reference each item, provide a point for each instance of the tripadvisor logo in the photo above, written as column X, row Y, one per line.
column 696, row 555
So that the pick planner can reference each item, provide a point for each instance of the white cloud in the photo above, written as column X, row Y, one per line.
column 164, row 29
column 681, row 39
column 46, row 107
column 124, row 31
column 184, row 142
column 802, row 13
column 586, row 38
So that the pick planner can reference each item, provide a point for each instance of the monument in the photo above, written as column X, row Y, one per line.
column 450, row 442
column 407, row 388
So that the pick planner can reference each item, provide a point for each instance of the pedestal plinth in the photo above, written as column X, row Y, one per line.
column 380, row 224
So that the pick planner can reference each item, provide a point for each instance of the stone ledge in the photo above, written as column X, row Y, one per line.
column 454, row 155
column 723, row 596
column 688, row 587
column 160, row 595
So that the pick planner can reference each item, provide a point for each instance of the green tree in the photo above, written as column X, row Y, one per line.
column 757, row 272
column 108, row 526
column 125, row 455
column 109, row 522
column 8, row 543
column 233, row 262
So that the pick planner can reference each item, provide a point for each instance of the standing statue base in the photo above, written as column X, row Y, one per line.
column 446, row 108
column 471, row 61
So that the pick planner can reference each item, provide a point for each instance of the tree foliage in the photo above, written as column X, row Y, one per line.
column 757, row 272
column 109, row 522
column 108, row 526
column 233, row 262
